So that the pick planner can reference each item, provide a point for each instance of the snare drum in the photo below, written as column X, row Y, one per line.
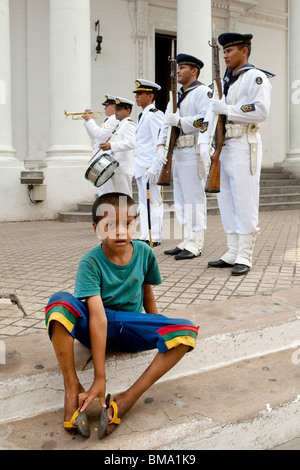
column 101, row 169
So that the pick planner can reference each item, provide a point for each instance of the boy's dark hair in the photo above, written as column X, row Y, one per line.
column 113, row 199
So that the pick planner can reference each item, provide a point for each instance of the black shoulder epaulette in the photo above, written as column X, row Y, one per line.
column 153, row 110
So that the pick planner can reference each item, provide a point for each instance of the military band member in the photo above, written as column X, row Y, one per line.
column 103, row 132
column 146, row 165
column 189, row 173
column 121, row 147
column 246, row 103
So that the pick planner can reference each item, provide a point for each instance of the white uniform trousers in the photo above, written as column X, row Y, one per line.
column 156, row 210
column 190, row 204
column 239, row 199
column 117, row 183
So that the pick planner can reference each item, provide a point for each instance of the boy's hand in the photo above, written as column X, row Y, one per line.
column 97, row 390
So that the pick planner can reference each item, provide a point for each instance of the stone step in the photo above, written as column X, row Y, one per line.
column 212, row 209
column 279, row 189
column 282, row 192
column 252, row 404
column 280, row 182
column 239, row 389
column 270, row 175
column 230, row 331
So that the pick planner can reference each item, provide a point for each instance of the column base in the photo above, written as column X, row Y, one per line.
column 7, row 154
column 65, row 154
column 292, row 163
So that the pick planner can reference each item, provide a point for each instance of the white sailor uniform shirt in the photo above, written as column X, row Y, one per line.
column 101, row 133
column 192, row 110
column 122, row 146
column 189, row 195
column 147, row 131
column 239, row 188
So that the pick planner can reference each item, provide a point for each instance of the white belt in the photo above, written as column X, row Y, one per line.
column 238, row 130
column 186, row 141
column 235, row 130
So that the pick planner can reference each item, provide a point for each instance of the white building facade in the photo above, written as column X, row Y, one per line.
column 49, row 64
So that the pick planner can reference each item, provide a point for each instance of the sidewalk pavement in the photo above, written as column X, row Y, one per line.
column 40, row 258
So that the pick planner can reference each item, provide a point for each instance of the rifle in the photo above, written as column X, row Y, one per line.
column 165, row 174
column 217, row 133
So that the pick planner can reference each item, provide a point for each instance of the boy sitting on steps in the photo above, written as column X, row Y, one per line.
column 113, row 284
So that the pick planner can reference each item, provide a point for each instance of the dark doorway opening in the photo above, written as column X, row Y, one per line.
column 163, row 44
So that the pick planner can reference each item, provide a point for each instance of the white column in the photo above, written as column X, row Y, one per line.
column 70, row 77
column 7, row 152
column 292, row 161
column 194, row 32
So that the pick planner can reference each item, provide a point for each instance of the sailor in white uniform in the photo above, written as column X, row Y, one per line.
column 246, row 103
column 189, row 173
column 121, row 146
column 102, row 133
column 146, row 165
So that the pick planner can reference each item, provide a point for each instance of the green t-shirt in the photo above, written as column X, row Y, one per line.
column 120, row 287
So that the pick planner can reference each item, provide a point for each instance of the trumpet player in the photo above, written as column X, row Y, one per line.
column 103, row 132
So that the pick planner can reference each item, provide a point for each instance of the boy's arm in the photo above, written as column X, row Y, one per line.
column 149, row 299
column 98, row 335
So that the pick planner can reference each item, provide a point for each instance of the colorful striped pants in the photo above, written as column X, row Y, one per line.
column 126, row 331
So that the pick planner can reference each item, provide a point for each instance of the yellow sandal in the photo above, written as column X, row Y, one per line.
column 115, row 419
column 82, row 424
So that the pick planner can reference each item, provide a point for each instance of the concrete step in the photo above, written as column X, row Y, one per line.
column 279, row 182
column 243, row 375
column 271, row 175
column 249, row 405
column 280, row 198
column 212, row 208
column 280, row 189
column 275, row 206
column 282, row 192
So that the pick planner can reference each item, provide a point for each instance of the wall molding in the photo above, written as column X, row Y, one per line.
column 248, row 12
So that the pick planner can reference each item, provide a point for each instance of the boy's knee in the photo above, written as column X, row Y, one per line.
column 57, row 329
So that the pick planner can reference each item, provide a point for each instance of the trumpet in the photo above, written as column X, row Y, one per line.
column 97, row 115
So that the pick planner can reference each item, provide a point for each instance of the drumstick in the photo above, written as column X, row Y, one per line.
column 94, row 155
column 98, row 151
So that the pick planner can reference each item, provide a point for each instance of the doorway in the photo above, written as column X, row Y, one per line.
column 163, row 45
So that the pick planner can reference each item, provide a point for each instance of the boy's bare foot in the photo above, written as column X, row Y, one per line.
column 124, row 403
column 71, row 404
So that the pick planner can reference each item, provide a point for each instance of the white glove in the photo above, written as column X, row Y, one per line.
column 219, row 106
column 205, row 156
column 151, row 176
column 174, row 118
column 161, row 155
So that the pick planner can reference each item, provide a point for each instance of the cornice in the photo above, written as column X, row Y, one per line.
column 248, row 12
column 266, row 18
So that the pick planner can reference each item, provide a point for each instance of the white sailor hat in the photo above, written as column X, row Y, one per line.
column 146, row 85
column 123, row 103
column 109, row 99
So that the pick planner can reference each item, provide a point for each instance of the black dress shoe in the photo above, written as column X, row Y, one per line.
column 154, row 244
column 173, row 252
column 239, row 269
column 219, row 264
column 185, row 254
